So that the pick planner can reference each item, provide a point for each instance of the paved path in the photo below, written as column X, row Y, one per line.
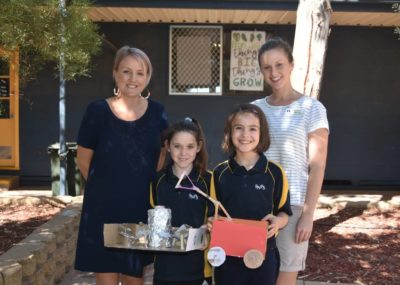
column 75, row 277
column 83, row 278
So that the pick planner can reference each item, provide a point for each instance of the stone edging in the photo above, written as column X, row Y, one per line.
column 47, row 254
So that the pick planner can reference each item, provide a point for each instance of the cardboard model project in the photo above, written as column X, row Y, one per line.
column 233, row 237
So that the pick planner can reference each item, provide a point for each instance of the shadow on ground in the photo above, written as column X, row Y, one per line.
column 355, row 244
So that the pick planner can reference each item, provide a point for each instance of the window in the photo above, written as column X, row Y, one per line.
column 4, row 88
column 195, row 66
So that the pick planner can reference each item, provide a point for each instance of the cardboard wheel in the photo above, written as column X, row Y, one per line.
column 216, row 256
column 253, row 258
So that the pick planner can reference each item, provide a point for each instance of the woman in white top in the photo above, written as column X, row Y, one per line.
column 299, row 142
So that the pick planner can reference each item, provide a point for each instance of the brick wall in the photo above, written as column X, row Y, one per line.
column 44, row 257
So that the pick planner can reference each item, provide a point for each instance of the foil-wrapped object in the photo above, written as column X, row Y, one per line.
column 180, row 236
column 159, row 223
column 164, row 238
column 138, row 237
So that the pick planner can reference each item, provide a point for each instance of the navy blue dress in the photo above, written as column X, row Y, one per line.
column 124, row 162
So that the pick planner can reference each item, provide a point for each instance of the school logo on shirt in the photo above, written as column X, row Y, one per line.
column 259, row 187
column 193, row 196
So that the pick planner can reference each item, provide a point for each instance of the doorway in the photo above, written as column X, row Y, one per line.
column 9, row 110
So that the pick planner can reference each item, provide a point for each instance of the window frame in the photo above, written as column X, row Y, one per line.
column 221, row 34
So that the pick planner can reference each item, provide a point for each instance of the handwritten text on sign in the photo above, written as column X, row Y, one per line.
column 244, row 72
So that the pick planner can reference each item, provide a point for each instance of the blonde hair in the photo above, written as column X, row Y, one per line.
column 136, row 53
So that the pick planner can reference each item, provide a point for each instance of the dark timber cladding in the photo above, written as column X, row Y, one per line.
column 359, row 88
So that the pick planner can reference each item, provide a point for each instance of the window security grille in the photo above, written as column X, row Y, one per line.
column 195, row 60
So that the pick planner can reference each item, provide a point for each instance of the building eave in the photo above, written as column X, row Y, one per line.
column 234, row 16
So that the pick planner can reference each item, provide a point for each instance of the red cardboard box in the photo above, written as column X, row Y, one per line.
column 237, row 236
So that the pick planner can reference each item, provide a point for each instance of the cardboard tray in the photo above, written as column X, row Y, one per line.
column 197, row 239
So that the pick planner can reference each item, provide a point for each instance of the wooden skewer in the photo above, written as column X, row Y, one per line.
column 225, row 211
column 216, row 211
column 216, row 203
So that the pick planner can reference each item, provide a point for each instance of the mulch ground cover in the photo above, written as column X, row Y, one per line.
column 18, row 221
column 355, row 245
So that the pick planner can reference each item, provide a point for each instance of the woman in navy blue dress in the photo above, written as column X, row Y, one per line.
column 118, row 147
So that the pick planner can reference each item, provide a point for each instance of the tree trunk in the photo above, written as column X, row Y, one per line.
column 310, row 43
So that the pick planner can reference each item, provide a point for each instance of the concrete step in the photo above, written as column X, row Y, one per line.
column 9, row 182
column 75, row 277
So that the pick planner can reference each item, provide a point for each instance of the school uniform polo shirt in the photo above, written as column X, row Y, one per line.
column 187, row 207
column 251, row 194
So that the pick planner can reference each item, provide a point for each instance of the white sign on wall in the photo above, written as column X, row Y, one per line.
column 244, row 71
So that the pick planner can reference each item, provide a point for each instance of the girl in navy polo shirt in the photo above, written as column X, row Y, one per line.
column 186, row 146
column 250, row 187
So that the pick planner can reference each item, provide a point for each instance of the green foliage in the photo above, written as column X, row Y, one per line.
column 34, row 27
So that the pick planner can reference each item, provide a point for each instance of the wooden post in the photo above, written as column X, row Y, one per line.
column 310, row 43
column 63, row 152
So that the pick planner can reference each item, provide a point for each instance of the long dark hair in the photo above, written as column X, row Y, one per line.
column 192, row 126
